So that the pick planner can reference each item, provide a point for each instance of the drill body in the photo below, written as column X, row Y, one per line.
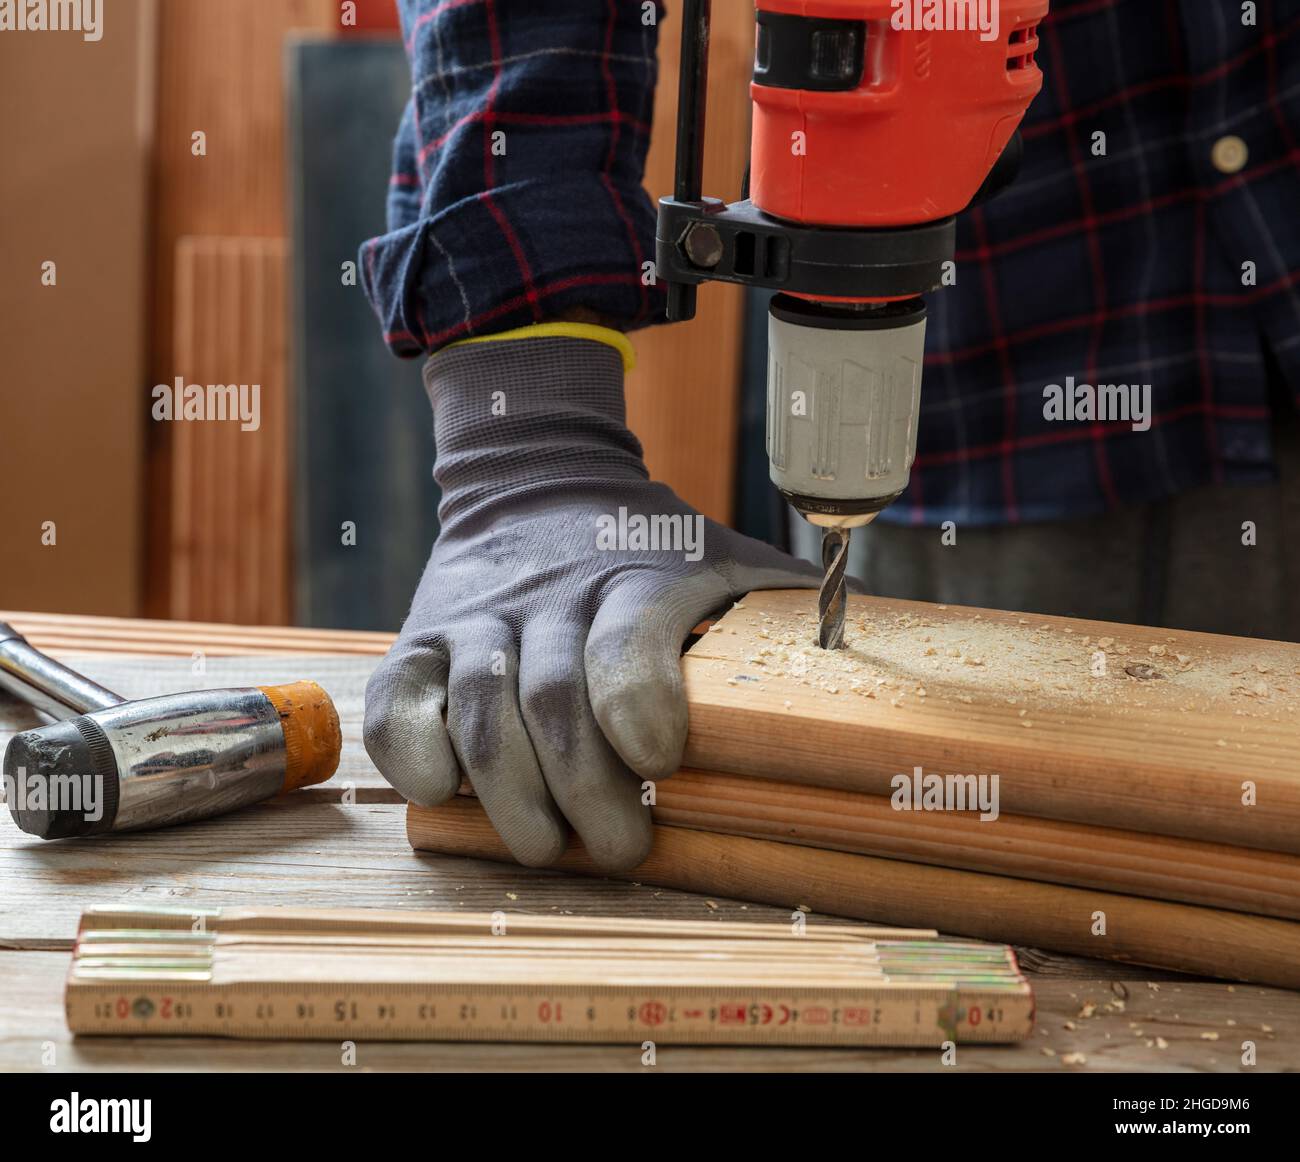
column 874, row 123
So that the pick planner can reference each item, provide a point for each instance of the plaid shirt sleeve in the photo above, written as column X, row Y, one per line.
column 1124, row 267
column 516, row 190
column 1118, row 266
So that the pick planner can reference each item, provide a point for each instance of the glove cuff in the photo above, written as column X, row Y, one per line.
column 527, row 410
column 564, row 330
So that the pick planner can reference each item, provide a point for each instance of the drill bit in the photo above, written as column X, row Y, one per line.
column 832, row 597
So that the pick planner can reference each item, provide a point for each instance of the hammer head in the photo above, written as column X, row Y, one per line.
column 159, row 761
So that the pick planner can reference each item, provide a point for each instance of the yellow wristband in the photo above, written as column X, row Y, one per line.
column 611, row 338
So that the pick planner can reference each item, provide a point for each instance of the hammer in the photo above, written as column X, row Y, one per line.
column 114, row 765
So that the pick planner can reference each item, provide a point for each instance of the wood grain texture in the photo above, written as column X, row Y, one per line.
column 68, row 634
column 683, row 397
column 312, row 849
column 956, row 690
column 1205, row 941
column 220, row 73
column 230, row 532
column 1183, row 1015
column 1155, row 866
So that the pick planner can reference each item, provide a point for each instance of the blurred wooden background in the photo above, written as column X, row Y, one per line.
column 683, row 397
column 75, row 148
column 220, row 71
column 173, row 264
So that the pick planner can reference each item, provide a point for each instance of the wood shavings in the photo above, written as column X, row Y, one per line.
column 955, row 657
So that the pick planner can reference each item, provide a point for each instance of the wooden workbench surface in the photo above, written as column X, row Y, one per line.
column 345, row 844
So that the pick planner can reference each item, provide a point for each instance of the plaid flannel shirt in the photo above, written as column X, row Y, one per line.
column 516, row 191
column 1171, row 258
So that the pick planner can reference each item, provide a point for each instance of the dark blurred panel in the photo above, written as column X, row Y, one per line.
column 364, row 429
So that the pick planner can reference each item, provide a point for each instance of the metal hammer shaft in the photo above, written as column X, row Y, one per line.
column 48, row 685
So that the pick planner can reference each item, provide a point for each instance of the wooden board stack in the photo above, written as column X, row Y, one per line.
column 1104, row 790
column 400, row 975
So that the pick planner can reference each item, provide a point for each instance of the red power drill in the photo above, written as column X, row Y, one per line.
column 875, row 122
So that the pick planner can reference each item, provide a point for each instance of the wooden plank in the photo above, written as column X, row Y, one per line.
column 965, row 691
column 1182, row 1015
column 221, row 73
column 1206, row 941
column 230, row 533
column 1155, row 866
column 298, row 926
column 74, row 634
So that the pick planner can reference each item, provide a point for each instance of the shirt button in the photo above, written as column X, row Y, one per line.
column 1229, row 154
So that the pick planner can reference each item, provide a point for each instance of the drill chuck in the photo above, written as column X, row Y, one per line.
column 843, row 394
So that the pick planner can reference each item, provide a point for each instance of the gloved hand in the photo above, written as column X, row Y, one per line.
column 541, row 654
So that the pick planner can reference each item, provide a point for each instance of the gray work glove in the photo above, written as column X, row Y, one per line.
column 541, row 655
